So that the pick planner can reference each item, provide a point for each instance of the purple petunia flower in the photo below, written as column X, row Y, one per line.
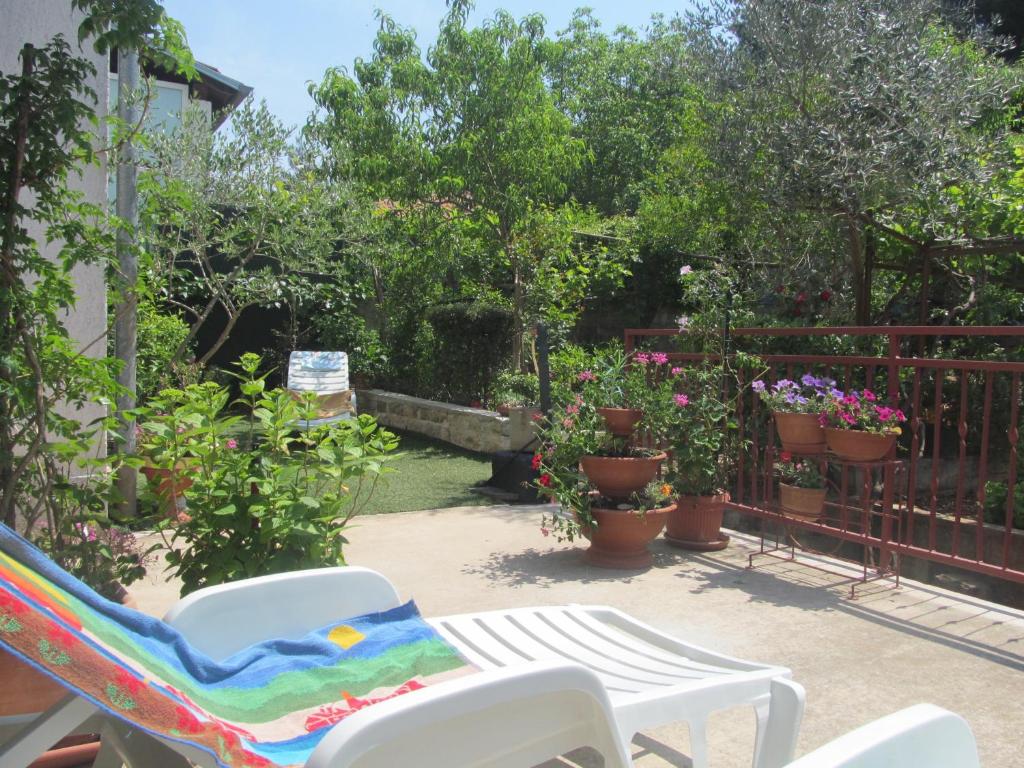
column 758, row 386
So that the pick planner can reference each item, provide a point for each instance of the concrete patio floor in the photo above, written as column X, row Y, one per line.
column 859, row 659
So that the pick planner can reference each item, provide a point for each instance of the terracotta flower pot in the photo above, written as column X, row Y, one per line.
column 696, row 522
column 801, row 503
column 621, row 421
column 170, row 487
column 25, row 689
column 620, row 538
column 800, row 432
column 855, row 445
column 619, row 477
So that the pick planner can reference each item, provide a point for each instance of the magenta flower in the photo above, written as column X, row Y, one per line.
column 848, row 418
column 642, row 358
column 587, row 375
column 677, row 371
column 884, row 412
column 851, row 399
column 682, row 400
column 900, row 416
column 659, row 358
column 868, row 395
column 232, row 443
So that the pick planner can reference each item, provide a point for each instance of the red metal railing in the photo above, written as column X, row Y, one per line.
column 962, row 432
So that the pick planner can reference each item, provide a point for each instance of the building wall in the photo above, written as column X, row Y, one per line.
column 37, row 22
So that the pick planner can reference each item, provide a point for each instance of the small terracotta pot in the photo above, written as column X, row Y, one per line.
column 620, row 538
column 800, row 432
column 620, row 477
column 801, row 503
column 696, row 522
column 621, row 421
column 855, row 445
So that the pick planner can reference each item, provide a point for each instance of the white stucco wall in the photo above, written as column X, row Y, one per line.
column 37, row 22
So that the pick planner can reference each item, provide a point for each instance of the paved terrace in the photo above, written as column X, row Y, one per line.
column 859, row 659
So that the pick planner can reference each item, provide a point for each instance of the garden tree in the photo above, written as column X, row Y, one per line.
column 628, row 97
column 870, row 114
column 473, row 130
column 233, row 223
column 47, row 132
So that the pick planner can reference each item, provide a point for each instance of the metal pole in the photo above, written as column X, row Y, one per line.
column 125, row 331
column 543, row 371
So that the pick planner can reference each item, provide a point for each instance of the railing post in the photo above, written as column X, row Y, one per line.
column 889, row 474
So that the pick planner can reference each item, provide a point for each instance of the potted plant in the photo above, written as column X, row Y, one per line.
column 697, row 427
column 858, row 427
column 619, row 388
column 514, row 390
column 801, row 487
column 602, row 482
column 795, row 407
column 280, row 505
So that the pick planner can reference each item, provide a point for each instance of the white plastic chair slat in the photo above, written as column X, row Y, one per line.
column 639, row 646
column 632, row 651
column 493, row 632
column 534, row 626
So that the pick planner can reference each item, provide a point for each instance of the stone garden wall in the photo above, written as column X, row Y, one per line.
column 471, row 428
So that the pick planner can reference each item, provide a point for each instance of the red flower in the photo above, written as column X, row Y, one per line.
column 60, row 636
column 535, row 462
column 801, row 297
column 826, row 295
column 186, row 721
column 545, row 480
column 129, row 682
column 786, row 456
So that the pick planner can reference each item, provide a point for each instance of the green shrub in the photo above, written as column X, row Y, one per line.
column 160, row 335
column 514, row 389
column 349, row 333
column 995, row 503
column 260, row 497
column 473, row 340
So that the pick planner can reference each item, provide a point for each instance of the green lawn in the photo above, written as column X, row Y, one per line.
column 430, row 475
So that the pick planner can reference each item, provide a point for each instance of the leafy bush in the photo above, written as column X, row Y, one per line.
column 159, row 336
column 473, row 340
column 995, row 503
column 279, row 504
column 514, row 389
column 349, row 333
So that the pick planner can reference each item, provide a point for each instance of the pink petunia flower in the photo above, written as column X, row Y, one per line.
column 682, row 400
column 868, row 395
column 232, row 443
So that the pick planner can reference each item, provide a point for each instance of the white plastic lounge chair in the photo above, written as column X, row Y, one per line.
column 650, row 678
column 326, row 374
column 554, row 679
column 923, row 736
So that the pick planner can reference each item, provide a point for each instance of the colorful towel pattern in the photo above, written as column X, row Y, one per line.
column 267, row 705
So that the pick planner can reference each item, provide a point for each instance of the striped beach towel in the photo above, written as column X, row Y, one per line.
column 267, row 705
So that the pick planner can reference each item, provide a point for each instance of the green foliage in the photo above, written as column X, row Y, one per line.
column 514, row 389
column 348, row 332
column 47, row 129
column 268, row 500
column 995, row 503
column 160, row 335
column 471, row 344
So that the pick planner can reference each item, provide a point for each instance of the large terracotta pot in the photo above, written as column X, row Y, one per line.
column 855, row 445
column 801, row 503
column 619, row 477
column 696, row 522
column 621, row 421
column 800, row 432
column 25, row 690
column 170, row 487
column 620, row 538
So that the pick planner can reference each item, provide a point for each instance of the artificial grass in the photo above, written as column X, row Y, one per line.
column 430, row 474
